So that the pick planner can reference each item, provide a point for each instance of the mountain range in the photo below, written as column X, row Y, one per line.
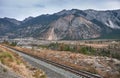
column 71, row 24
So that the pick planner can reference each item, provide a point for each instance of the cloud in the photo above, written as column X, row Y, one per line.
column 113, row 4
column 39, row 5
column 20, row 3
column 23, row 8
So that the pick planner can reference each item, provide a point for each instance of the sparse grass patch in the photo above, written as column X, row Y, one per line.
column 6, row 57
column 39, row 74
column 92, row 70
column 16, row 63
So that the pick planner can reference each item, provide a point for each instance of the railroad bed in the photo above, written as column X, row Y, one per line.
column 80, row 73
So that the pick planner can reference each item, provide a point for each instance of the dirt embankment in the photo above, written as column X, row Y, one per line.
column 12, row 62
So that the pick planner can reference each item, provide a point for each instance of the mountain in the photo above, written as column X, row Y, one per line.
column 27, row 19
column 7, row 25
column 67, row 24
column 12, row 20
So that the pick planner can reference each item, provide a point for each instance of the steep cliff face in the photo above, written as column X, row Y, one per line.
column 72, row 27
column 110, row 18
column 67, row 24
column 51, row 35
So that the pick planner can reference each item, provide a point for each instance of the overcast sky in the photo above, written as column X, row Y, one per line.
column 21, row 9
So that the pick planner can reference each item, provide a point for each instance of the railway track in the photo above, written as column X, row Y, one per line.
column 82, row 74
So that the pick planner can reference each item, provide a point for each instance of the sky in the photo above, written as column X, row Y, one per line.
column 21, row 9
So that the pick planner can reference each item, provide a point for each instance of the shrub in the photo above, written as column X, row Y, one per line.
column 4, row 70
column 13, row 44
column 5, row 57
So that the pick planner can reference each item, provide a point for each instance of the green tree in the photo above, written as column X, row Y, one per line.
column 13, row 44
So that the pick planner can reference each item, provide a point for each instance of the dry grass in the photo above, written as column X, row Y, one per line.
column 52, row 55
column 77, row 60
column 97, row 45
column 17, row 64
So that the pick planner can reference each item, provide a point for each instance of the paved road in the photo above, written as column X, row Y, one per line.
column 50, row 70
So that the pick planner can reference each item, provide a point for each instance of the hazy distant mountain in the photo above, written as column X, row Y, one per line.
column 67, row 24
column 14, row 21
column 8, row 25
column 27, row 19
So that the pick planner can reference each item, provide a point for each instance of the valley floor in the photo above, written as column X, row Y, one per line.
column 104, row 66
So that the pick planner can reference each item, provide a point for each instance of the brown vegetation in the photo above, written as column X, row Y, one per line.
column 95, row 64
column 18, row 65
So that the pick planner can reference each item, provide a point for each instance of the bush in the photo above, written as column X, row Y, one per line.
column 5, row 57
column 5, row 42
column 72, row 48
column 4, row 70
column 39, row 74
column 87, row 50
column 13, row 44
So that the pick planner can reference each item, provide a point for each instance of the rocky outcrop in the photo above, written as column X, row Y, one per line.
column 71, row 27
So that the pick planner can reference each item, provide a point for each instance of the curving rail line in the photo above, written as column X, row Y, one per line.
column 80, row 73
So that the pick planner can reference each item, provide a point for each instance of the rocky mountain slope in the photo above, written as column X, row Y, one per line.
column 6, row 26
column 67, row 24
